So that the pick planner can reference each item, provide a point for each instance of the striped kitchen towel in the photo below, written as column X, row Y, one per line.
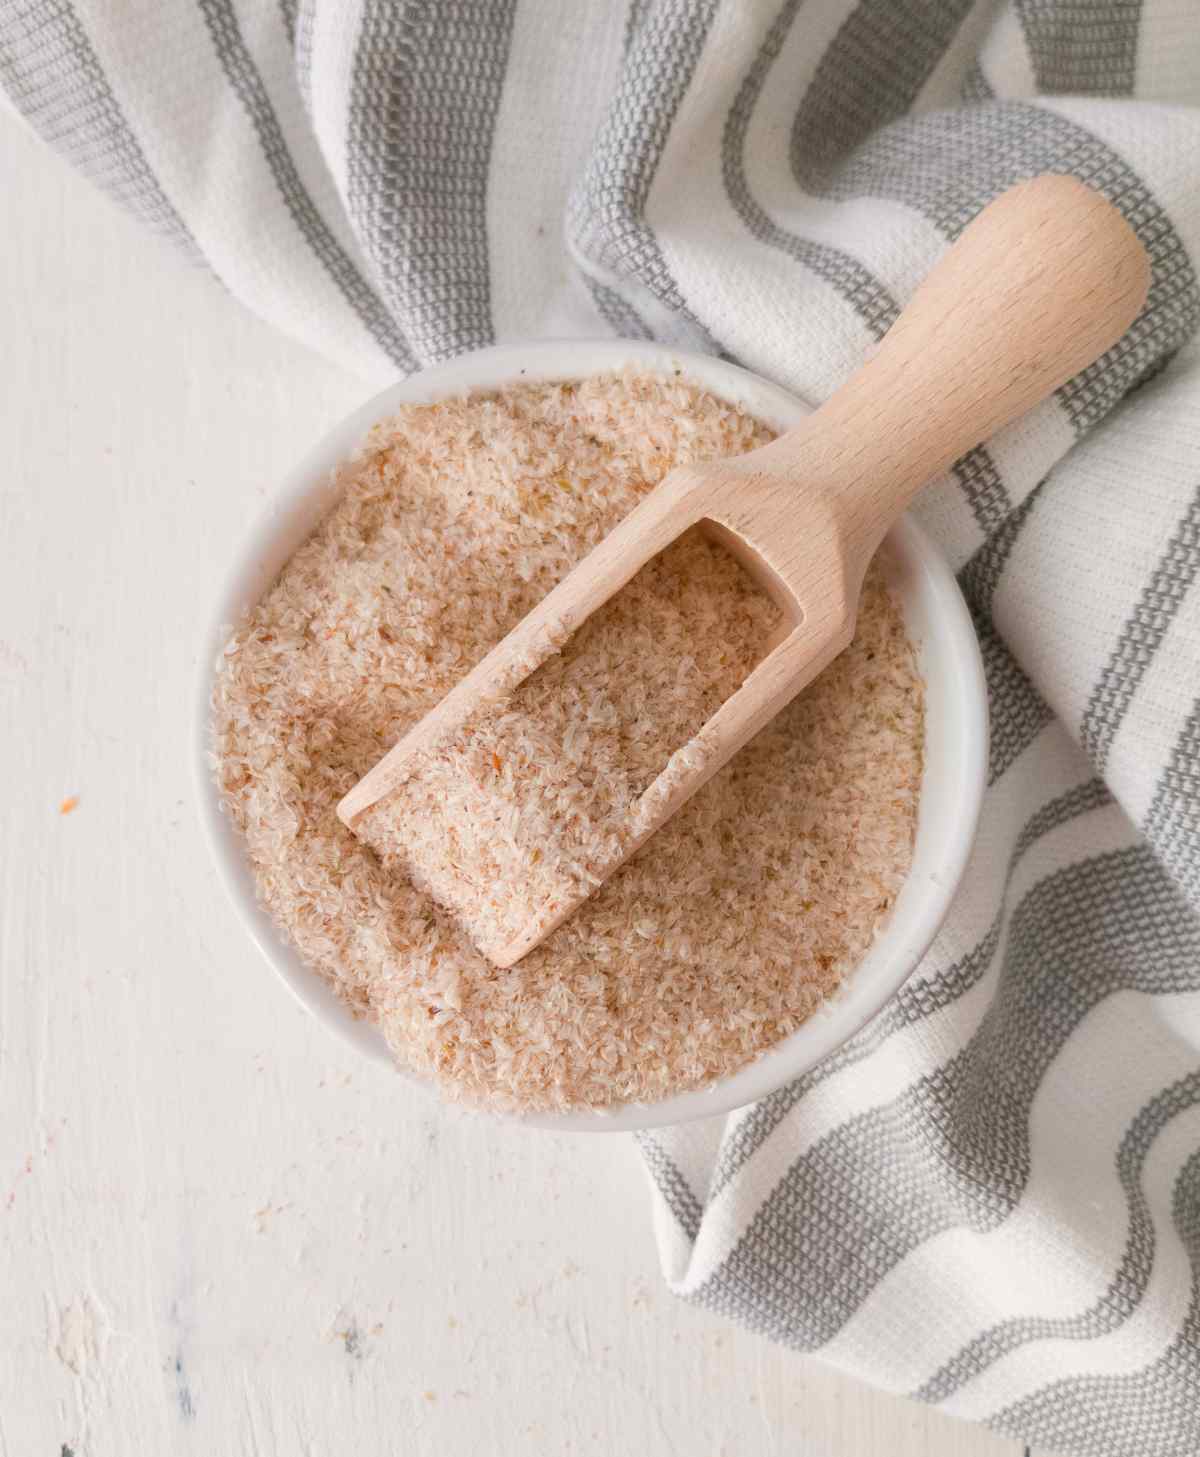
column 990, row 1198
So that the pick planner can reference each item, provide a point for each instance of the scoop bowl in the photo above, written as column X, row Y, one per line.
column 937, row 621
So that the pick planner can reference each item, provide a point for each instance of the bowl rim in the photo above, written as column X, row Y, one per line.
column 291, row 513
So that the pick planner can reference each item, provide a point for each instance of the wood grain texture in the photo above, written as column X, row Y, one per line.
column 221, row 1233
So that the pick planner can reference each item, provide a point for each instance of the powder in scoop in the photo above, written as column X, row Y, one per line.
column 735, row 921
column 529, row 803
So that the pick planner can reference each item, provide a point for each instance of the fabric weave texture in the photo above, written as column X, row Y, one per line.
column 990, row 1197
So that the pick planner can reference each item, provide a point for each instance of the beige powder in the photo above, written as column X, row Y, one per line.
column 731, row 926
column 531, row 802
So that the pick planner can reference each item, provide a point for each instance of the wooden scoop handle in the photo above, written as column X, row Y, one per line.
column 1044, row 281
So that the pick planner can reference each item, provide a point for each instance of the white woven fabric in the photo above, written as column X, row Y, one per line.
column 991, row 1197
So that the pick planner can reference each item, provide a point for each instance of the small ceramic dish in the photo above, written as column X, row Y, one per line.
column 935, row 615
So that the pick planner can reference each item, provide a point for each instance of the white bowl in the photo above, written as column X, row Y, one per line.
column 934, row 613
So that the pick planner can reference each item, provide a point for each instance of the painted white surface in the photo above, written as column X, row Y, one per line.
column 220, row 1232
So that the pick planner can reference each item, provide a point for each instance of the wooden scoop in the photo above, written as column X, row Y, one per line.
column 1041, row 283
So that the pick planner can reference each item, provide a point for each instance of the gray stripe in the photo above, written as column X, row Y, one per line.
column 1173, row 823
column 981, row 575
column 1082, row 47
column 605, row 213
column 671, row 1184
column 427, row 83
column 871, row 74
column 1142, row 635
column 617, row 313
column 287, row 13
column 1018, row 711
column 1127, row 1287
column 634, row 16
column 953, row 1150
column 1160, row 366
column 915, row 1001
column 984, row 488
column 52, row 75
column 976, row 87
column 872, row 302
column 243, row 77
column 948, row 165
column 1151, row 1411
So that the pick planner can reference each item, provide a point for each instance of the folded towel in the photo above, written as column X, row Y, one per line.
column 990, row 1198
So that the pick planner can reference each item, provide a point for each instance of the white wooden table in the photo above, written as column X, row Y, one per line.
column 221, row 1233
